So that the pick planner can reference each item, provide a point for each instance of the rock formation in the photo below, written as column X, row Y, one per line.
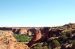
column 36, row 37
column 42, row 35
column 7, row 41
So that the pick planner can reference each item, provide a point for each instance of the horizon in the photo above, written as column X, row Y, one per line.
column 36, row 13
column 36, row 26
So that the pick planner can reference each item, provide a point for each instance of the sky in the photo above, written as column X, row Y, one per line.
column 36, row 13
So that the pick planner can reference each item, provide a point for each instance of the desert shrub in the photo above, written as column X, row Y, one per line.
column 73, row 46
column 63, row 38
column 22, row 38
column 45, row 47
column 37, row 46
column 68, row 33
column 55, row 43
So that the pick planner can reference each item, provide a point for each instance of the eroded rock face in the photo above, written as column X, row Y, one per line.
column 20, row 31
column 42, row 35
column 37, row 36
column 7, row 41
column 23, row 31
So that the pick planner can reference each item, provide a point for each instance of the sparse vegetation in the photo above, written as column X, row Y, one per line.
column 39, row 46
column 66, row 39
column 22, row 38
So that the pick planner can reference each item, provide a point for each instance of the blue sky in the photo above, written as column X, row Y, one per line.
column 36, row 12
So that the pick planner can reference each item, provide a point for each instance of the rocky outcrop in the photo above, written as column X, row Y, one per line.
column 23, row 31
column 20, row 31
column 36, row 37
column 43, row 35
column 7, row 41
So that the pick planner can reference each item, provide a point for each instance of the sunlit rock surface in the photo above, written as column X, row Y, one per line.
column 7, row 41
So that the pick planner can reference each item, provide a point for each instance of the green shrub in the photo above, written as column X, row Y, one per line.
column 55, row 43
column 22, row 38
column 37, row 46
column 73, row 42
column 45, row 47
